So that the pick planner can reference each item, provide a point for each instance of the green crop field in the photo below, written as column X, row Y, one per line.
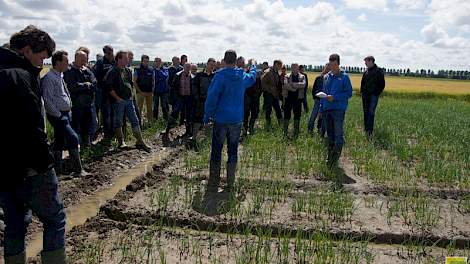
column 410, row 202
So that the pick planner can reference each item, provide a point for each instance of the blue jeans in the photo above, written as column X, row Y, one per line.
column 126, row 108
column 160, row 99
column 220, row 132
column 314, row 115
column 37, row 194
column 64, row 135
column 334, row 120
column 84, row 122
column 369, row 104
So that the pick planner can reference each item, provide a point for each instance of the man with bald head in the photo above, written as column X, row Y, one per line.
column 82, row 86
column 182, row 87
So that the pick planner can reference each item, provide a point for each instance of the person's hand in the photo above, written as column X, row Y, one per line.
column 251, row 62
column 119, row 100
column 330, row 98
column 89, row 84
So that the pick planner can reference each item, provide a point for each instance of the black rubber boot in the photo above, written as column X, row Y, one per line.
column 17, row 259
column 231, row 169
column 54, row 257
column 296, row 128
column 286, row 128
column 214, row 177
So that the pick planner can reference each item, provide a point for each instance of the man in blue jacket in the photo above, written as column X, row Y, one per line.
column 224, row 106
column 337, row 86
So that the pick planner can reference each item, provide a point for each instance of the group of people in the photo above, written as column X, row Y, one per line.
column 225, row 95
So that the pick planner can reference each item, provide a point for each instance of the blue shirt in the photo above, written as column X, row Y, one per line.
column 226, row 95
column 339, row 86
column 161, row 80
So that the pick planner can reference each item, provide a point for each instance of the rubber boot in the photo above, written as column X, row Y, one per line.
column 170, row 124
column 279, row 122
column 77, row 168
column 120, row 138
column 329, row 158
column 17, row 259
column 296, row 128
column 214, row 177
column 251, row 128
column 54, row 257
column 231, row 169
column 286, row 128
column 268, row 124
column 336, row 153
column 140, row 144
column 58, row 162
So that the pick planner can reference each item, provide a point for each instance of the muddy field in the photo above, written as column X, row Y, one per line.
column 153, row 208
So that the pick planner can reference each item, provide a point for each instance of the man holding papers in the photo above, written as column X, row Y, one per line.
column 337, row 90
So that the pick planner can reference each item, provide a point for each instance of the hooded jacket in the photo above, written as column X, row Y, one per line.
column 225, row 98
column 25, row 144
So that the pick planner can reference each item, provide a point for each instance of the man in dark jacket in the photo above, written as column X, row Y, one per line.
column 172, row 71
column 144, row 82
column 317, row 87
column 305, row 102
column 272, row 86
column 103, row 100
column 28, row 182
column 201, row 85
column 119, row 84
column 372, row 85
column 252, row 101
column 160, row 93
column 182, row 87
column 82, row 85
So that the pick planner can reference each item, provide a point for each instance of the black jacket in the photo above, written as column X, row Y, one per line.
column 114, row 82
column 255, row 90
column 81, row 94
column 373, row 81
column 24, row 140
column 202, row 81
column 100, row 69
column 317, row 86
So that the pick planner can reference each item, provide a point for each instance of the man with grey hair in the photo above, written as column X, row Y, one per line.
column 293, row 93
column 82, row 86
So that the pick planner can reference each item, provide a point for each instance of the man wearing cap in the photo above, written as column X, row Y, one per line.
column 372, row 85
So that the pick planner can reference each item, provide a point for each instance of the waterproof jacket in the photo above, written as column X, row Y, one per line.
column 82, row 95
column 373, row 81
column 225, row 99
column 25, row 146
column 339, row 86
column 270, row 82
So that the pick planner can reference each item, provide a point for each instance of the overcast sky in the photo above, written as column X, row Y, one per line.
column 399, row 33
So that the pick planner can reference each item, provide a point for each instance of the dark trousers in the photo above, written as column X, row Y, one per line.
column 369, row 105
column 39, row 195
column 84, row 122
column 334, row 120
column 183, row 103
column 64, row 135
column 293, row 105
column 271, row 102
column 220, row 132
column 105, row 107
column 160, row 99
column 251, row 111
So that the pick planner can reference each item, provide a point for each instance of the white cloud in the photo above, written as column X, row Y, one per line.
column 366, row 4
column 264, row 29
column 362, row 17
column 411, row 4
column 450, row 13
